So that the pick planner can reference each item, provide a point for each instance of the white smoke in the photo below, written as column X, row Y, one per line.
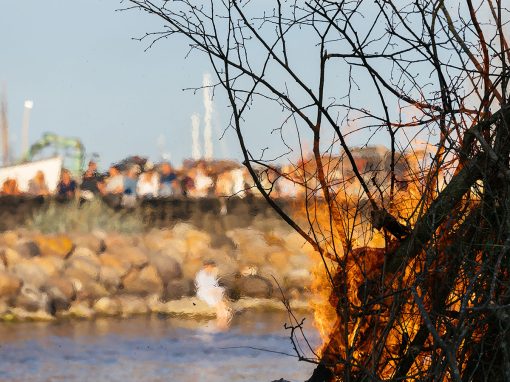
column 208, row 106
column 195, row 137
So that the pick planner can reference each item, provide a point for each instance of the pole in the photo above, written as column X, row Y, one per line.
column 5, row 130
column 26, row 122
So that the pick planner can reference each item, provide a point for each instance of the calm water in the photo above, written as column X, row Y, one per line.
column 150, row 349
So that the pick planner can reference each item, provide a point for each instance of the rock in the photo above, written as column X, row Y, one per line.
column 107, row 306
column 10, row 285
column 52, row 265
column 299, row 279
column 157, row 240
column 28, row 249
column 227, row 265
column 279, row 260
column 255, row 286
column 9, row 238
column 30, row 273
column 24, row 315
column 110, row 278
column 89, row 241
column 190, row 267
column 91, row 291
column 56, row 245
column 116, row 262
column 295, row 243
column 31, row 299
column 177, row 289
column 272, row 274
column 83, row 268
column 10, row 257
column 116, row 240
column 191, row 306
column 299, row 260
column 85, row 253
column 176, row 250
column 131, row 255
column 231, row 285
column 131, row 305
column 143, row 282
column 168, row 268
column 57, row 286
column 60, row 293
column 80, row 309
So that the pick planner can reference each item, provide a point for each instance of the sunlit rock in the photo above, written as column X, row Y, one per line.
column 168, row 268
column 10, row 257
column 28, row 248
column 115, row 261
column 30, row 273
column 31, row 299
column 107, row 306
column 9, row 284
column 52, row 265
column 55, row 245
column 143, row 282
column 131, row 305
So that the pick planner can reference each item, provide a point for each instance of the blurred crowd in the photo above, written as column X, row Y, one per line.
column 133, row 180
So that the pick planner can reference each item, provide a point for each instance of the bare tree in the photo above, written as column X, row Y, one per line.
column 415, row 243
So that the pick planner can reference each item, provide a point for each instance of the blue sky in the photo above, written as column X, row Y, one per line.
column 89, row 79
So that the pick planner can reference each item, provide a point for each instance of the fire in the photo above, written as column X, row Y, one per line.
column 354, row 300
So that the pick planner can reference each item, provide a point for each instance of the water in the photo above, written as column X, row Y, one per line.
column 150, row 349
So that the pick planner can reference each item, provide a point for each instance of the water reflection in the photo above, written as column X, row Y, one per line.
column 150, row 349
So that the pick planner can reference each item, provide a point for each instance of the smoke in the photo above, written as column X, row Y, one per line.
column 208, row 106
column 195, row 137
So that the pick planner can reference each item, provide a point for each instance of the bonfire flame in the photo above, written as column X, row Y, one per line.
column 355, row 301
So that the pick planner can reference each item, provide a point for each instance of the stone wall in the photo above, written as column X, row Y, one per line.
column 92, row 274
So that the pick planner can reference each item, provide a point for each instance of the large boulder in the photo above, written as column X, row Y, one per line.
column 30, row 273
column 52, row 265
column 134, row 256
column 227, row 265
column 63, row 285
column 107, row 306
column 168, row 268
column 83, row 268
column 10, row 257
column 9, row 238
column 158, row 239
column 115, row 261
column 131, row 305
column 84, row 253
column 299, row 279
column 91, row 291
column 110, row 278
column 190, row 268
column 28, row 248
column 31, row 299
column 251, row 246
column 10, row 285
column 280, row 260
column 60, row 292
column 177, row 289
column 143, row 281
column 254, row 286
column 89, row 241
column 80, row 309
column 55, row 245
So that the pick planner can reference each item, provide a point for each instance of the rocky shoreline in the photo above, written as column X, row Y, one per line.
column 87, row 275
